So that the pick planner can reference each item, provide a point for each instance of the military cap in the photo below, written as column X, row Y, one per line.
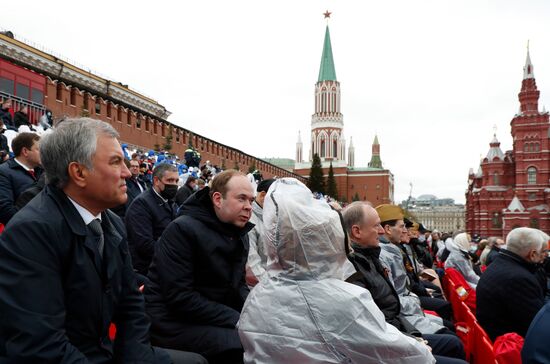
column 422, row 229
column 389, row 212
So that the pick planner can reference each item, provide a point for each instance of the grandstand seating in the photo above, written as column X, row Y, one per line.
column 477, row 344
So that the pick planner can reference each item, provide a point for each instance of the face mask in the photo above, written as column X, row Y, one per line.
column 169, row 191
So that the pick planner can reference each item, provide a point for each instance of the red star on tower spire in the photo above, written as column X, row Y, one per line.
column 327, row 14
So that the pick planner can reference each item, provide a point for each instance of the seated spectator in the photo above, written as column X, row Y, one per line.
column 415, row 269
column 257, row 259
column 19, row 173
column 495, row 245
column 133, row 187
column 201, row 183
column 394, row 259
column 188, row 188
column 437, row 244
column 149, row 215
column 363, row 226
column 4, row 147
column 56, row 303
column 198, row 287
column 26, row 196
column 46, row 120
column 21, row 118
column 460, row 260
column 509, row 293
column 305, row 312
column 5, row 114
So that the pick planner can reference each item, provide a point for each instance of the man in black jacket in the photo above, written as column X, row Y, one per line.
column 186, row 190
column 150, row 214
column 19, row 173
column 5, row 115
column 363, row 226
column 67, row 275
column 509, row 293
column 198, row 286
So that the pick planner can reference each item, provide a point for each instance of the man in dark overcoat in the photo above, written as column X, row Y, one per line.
column 149, row 215
column 19, row 173
column 509, row 293
column 65, row 271
column 198, row 286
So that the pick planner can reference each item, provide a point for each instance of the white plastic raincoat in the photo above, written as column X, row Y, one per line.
column 305, row 312
column 391, row 257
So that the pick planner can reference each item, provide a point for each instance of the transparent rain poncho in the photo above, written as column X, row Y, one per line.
column 305, row 312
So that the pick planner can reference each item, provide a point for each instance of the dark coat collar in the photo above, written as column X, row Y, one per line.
column 367, row 251
column 508, row 255
column 73, row 218
column 112, row 236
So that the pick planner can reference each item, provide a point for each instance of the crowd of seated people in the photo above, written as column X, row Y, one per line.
column 237, row 270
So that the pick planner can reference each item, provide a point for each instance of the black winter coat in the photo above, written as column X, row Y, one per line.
column 493, row 253
column 146, row 219
column 20, row 118
column 183, row 194
column 375, row 279
column 14, row 179
column 197, row 278
column 508, row 295
column 5, row 117
column 58, row 297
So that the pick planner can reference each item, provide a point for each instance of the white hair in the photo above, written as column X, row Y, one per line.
column 73, row 140
column 521, row 240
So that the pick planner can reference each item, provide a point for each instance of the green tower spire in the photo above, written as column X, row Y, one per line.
column 375, row 161
column 327, row 71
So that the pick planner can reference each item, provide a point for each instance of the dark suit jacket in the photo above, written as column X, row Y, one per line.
column 146, row 219
column 14, row 179
column 58, row 297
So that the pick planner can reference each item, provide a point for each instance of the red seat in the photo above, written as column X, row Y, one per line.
column 459, row 281
column 1, row 228
column 112, row 332
column 507, row 348
column 482, row 348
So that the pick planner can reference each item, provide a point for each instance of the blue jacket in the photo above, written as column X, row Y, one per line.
column 14, row 179
column 535, row 348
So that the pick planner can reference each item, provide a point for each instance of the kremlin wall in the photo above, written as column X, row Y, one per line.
column 36, row 79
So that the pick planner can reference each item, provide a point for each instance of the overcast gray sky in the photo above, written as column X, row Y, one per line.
column 432, row 78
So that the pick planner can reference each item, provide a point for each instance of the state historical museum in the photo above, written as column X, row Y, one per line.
column 511, row 189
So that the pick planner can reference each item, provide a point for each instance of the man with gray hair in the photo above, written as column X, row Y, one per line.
column 509, row 294
column 65, row 271
column 149, row 214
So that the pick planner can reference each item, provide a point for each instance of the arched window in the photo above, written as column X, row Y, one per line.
column 531, row 176
column 323, row 146
column 334, row 148
column 496, row 180
column 497, row 220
